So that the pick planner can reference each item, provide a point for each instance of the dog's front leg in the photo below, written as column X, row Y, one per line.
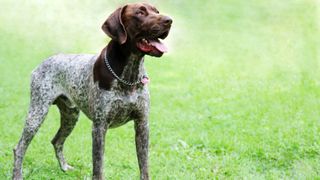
column 99, row 130
column 142, row 142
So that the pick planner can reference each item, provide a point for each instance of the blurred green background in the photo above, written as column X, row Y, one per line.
column 237, row 96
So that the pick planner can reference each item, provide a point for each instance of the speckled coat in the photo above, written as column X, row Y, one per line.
column 67, row 81
column 72, row 76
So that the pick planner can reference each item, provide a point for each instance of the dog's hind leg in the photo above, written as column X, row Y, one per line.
column 43, row 93
column 69, row 117
column 37, row 112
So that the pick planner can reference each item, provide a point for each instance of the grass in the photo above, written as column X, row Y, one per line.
column 237, row 97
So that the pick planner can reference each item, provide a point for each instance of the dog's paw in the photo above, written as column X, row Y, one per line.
column 67, row 167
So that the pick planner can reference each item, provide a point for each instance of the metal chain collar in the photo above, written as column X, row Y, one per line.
column 116, row 76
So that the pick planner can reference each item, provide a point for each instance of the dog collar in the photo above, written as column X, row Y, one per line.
column 144, row 79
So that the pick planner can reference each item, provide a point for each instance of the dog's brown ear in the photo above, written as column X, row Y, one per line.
column 114, row 27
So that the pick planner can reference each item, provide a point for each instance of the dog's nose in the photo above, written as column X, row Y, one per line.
column 167, row 20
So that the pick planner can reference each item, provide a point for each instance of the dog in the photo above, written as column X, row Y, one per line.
column 109, row 88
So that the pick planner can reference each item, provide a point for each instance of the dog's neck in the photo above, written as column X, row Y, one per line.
column 124, row 61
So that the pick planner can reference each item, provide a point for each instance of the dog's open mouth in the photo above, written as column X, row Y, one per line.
column 149, row 45
column 153, row 46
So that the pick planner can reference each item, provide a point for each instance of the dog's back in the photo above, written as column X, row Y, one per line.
column 64, row 74
column 64, row 66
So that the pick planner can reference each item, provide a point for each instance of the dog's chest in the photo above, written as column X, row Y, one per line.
column 123, row 108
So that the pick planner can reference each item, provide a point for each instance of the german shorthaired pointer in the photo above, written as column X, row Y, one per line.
column 110, row 88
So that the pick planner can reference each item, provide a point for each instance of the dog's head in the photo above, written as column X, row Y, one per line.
column 141, row 25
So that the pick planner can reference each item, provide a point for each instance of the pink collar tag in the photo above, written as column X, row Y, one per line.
column 145, row 80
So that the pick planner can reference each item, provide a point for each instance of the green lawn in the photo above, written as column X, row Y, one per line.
column 238, row 96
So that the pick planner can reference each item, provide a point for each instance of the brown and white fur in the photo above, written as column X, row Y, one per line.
column 80, row 82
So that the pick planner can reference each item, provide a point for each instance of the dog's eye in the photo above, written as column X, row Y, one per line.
column 141, row 13
column 142, row 8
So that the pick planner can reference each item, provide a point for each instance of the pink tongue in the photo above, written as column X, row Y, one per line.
column 159, row 46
